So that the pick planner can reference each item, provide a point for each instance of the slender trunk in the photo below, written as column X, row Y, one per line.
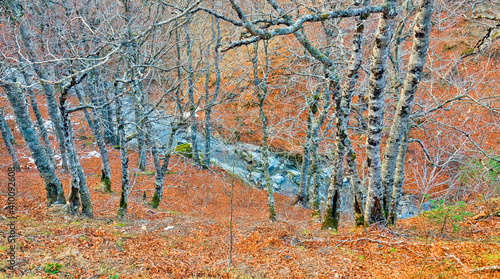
column 9, row 140
column 314, row 198
column 357, row 185
column 312, row 109
column 122, row 211
column 208, row 108
column 17, row 99
column 40, row 123
column 261, row 92
column 211, row 101
column 374, row 201
column 397, row 190
column 79, row 185
column 310, row 168
column 108, row 114
column 343, row 111
column 85, row 111
column 95, row 118
column 403, row 111
column 332, row 211
column 139, row 122
column 162, row 169
column 302, row 192
column 190, row 87
column 16, row 12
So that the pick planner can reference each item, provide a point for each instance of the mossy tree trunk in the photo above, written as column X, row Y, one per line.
column 79, row 188
column 261, row 92
column 210, row 101
column 16, row 12
column 374, row 209
column 404, row 106
column 18, row 101
column 122, row 210
column 190, row 88
column 9, row 140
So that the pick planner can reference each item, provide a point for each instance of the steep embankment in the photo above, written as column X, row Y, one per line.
column 188, row 236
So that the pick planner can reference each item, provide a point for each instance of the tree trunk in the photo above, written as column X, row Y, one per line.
column 139, row 122
column 161, row 168
column 404, row 106
column 343, row 112
column 314, row 198
column 374, row 201
column 96, row 119
column 302, row 192
column 108, row 114
column 190, row 87
column 79, row 185
column 397, row 190
column 261, row 92
column 40, row 121
column 85, row 111
column 16, row 12
column 210, row 102
column 17, row 99
column 9, row 140
column 358, row 201
column 122, row 210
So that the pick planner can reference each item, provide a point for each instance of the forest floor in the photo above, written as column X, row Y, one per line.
column 188, row 236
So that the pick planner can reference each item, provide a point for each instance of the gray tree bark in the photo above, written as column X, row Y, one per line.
column 9, row 140
column 397, row 189
column 343, row 111
column 210, row 101
column 18, row 101
column 374, row 201
column 190, row 88
column 79, row 188
column 404, row 106
column 261, row 92
column 39, row 119
column 122, row 210
column 357, row 185
column 16, row 16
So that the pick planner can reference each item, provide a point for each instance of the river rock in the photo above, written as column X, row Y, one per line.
column 278, row 178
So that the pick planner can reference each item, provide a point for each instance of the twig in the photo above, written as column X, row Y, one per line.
column 486, row 268
column 458, row 260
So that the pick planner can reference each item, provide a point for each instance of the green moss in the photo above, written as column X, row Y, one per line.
column 359, row 220
column 272, row 213
column 185, row 150
column 468, row 52
column 155, row 202
column 330, row 222
column 107, row 184
column 52, row 268
column 145, row 173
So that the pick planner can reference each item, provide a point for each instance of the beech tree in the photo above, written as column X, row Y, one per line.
column 8, row 139
column 374, row 207
column 357, row 90
column 17, row 98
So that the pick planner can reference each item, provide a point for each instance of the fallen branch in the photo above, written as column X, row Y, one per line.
column 486, row 269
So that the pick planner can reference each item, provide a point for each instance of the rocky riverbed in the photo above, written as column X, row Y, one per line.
column 245, row 162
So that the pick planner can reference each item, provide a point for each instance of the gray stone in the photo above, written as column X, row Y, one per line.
column 278, row 178
column 273, row 164
column 255, row 176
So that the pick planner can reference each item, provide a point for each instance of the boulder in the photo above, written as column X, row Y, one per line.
column 278, row 178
